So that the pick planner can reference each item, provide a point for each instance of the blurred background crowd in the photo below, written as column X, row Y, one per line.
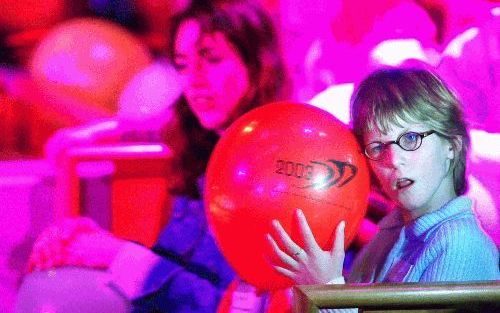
column 69, row 63
column 85, row 72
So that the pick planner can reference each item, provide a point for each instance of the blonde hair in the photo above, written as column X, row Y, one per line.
column 391, row 95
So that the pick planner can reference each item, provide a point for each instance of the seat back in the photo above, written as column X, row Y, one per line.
column 122, row 186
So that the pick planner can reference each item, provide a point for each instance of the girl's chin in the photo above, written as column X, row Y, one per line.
column 211, row 124
column 403, row 201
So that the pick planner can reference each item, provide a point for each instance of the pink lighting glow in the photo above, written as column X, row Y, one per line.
column 89, row 84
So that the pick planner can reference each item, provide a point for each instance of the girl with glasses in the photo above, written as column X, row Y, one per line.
column 415, row 137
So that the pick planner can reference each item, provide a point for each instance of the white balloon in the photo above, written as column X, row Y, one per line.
column 335, row 100
column 148, row 97
column 70, row 289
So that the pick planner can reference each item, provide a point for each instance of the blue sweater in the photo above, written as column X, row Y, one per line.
column 193, row 274
column 445, row 245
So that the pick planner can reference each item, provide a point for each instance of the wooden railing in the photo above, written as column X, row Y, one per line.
column 404, row 297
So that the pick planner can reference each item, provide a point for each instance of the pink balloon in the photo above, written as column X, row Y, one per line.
column 90, row 60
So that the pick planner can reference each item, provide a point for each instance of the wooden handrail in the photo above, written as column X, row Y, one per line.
column 311, row 298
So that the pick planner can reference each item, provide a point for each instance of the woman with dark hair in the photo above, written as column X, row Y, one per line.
column 251, row 33
column 228, row 57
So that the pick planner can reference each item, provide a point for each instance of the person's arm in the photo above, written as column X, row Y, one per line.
column 131, row 271
column 81, row 242
column 184, row 272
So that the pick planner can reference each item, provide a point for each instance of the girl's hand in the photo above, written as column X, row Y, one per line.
column 311, row 264
column 74, row 242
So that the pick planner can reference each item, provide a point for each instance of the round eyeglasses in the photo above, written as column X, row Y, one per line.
column 409, row 141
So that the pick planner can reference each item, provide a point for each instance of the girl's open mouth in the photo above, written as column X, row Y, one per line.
column 402, row 183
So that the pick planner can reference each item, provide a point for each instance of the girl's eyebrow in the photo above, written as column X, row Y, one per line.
column 204, row 50
column 207, row 47
column 403, row 131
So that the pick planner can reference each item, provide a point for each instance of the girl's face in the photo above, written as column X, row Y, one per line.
column 215, row 77
column 418, row 181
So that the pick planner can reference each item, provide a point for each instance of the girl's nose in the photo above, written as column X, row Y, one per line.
column 394, row 156
column 197, row 75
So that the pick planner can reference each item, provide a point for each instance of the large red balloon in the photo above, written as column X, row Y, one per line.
column 272, row 160
column 88, row 59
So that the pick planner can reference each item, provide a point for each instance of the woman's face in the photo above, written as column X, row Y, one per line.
column 215, row 77
column 418, row 181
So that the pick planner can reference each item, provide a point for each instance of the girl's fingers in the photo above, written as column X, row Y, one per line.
column 338, row 244
column 86, row 225
column 55, row 245
column 56, row 259
column 284, row 257
column 74, row 259
column 51, row 255
column 291, row 247
column 285, row 272
column 44, row 259
column 306, row 233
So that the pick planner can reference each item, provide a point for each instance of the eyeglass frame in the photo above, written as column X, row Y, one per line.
column 421, row 135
